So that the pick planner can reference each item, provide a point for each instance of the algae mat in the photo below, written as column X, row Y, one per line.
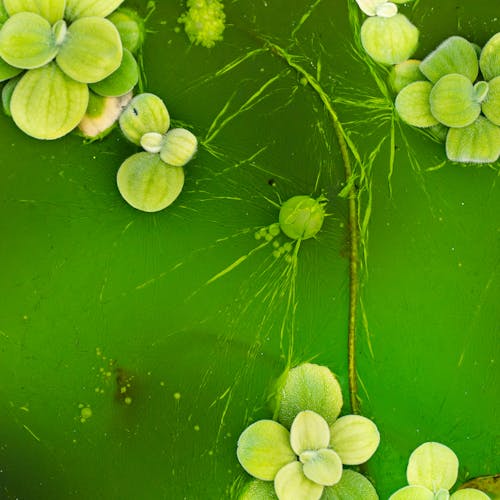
column 136, row 347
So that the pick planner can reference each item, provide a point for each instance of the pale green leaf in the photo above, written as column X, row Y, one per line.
column 52, row 10
column 121, row 81
column 7, row 91
column 179, row 146
column 477, row 143
column 469, row 494
column 258, row 490
column 453, row 102
column 352, row 486
column 413, row 493
column 309, row 431
column 489, row 60
column 404, row 73
column 354, row 438
column 389, row 40
column 152, row 142
column 491, row 104
column 91, row 51
column 442, row 494
column 263, row 447
column 432, row 465
column 413, row 105
column 291, row 484
column 76, row 9
column 454, row 55
column 47, row 104
column 7, row 71
column 301, row 217
column 27, row 41
column 131, row 28
column 148, row 184
column 322, row 466
column 310, row 387
column 145, row 113
column 369, row 7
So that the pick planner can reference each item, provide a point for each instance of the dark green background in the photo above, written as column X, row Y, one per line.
column 81, row 270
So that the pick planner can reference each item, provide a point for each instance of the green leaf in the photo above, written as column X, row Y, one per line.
column 309, row 387
column 477, row 143
column 291, row 484
column 354, row 438
column 352, row 486
column 7, row 91
column 453, row 101
column 413, row 493
column 131, row 28
column 52, row 10
column 263, row 447
column 309, row 431
column 301, row 217
column 489, row 60
column 148, row 184
column 91, row 51
column 432, row 465
column 7, row 71
column 369, row 7
column 389, row 40
column 258, row 490
column 27, row 41
column 322, row 466
column 145, row 113
column 121, row 81
column 454, row 55
column 404, row 73
column 487, row 484
column 47, row 104
column 491, row 104
column 469, row 494
column 413, row 105
column 179, row 146
column 76, row 9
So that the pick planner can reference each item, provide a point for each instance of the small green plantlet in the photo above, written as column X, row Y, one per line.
column 432, row 471
column 301, row 217
column 131, row 28
column 147, row 183
column 204, row 22
column 179, row 146
column 307, row 461
column 404, row 73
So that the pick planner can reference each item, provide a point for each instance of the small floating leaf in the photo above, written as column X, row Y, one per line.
column 488, row 484
column 389, row 40
column 354, row 438
column 146, row 113
column 386, row 9
column 489, row 60
column 148, row 184
column 7, row 71
column 310, row 387
column 477, row 143
column 27, row 41
column 89, row 8
column 432, row 465
column 52, row 10
column 352, row 486
column 369, row 7
column 309, row 431
column 121, row 81
column 131, row 28
column 301, row 217
column 258, row 490
column 47, row 104
column 179, row 146
column 7, row 91
column 413, row 106
column 413, row 493
column 404, row 73
column 322, row 466
column 453, row 101
column 491, row 104
column 264, row 446
column 481, row 91
column 152, row 142
column 91, row 51
column 291, row 484
column 469, row 494
column 454, row 55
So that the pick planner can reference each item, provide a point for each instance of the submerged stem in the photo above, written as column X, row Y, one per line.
column 345, row 146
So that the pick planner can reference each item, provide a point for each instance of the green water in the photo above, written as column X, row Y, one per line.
column 96, row 295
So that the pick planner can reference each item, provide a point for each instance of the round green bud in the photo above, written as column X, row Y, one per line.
column 147, row 183
column 301, row 217
column 152, row 142
column 179, row 146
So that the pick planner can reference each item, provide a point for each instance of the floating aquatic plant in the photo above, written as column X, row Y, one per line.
column 432, row 471
column 204, row 22
column 301, row 217
column 446, row 90
column 307, row 461
column 63, row 48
